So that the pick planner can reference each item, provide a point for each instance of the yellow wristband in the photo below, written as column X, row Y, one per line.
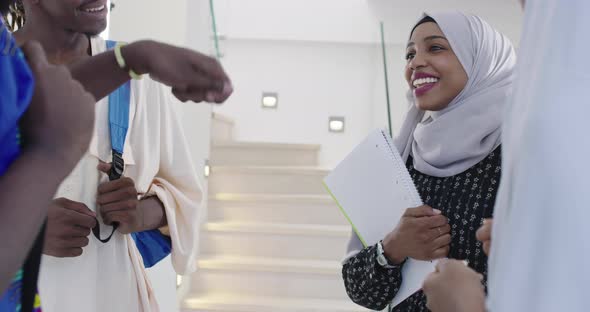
column 121, row 61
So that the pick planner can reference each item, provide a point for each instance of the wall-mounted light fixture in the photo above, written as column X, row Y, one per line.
column 270, row 100
column 206, row 169
column 336, row 124
column 178, row 280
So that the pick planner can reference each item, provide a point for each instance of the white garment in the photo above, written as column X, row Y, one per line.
column 468, row 129
column 111, row 277
column 540, row 250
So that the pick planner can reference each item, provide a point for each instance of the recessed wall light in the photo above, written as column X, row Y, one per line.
column 270, row 100
column 336, row 124
column 206, row 169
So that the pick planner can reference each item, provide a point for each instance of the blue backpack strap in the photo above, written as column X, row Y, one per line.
column 152, row 245
column 119, row 102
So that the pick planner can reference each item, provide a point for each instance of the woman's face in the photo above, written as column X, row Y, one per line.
column 433, row 71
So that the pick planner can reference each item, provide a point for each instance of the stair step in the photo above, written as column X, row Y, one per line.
column 298, row 241
column 267, row 180
column 263, row 154
column 277, row 208
column 280, row 228
column 296, row 198
column 241, row 303
column 278, row 265
column 269, row 276
column 222, row 128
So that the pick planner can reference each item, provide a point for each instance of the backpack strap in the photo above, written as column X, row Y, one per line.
column 119, row 102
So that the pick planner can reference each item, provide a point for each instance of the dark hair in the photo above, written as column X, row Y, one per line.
column 13, row 13
column 425, row 19
column 4, row 4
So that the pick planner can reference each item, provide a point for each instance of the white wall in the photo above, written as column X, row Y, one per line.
column 346, row 21
column 314, row 81
column 149, row 19
column 397, row 89
column 350, row 21
column 185, row 23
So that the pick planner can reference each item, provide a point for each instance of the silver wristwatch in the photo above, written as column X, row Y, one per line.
column 382, row 259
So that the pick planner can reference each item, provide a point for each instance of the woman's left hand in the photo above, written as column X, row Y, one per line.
column 454, row 287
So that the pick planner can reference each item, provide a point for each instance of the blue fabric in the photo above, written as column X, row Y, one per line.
column 16, row 91
column 119, row 112
column 153, row 245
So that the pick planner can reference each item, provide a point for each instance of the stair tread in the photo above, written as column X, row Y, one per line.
column 278, row 228
column 256, row 303
column 223, row 118
column 271, row 197
column 254, row 145
column 272, row 169
column 270, row 264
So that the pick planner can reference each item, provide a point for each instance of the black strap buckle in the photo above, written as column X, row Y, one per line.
column 118, row 165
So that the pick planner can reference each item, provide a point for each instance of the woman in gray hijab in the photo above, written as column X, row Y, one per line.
column 460, row 71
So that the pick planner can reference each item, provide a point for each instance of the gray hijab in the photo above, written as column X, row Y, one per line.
column 451, row 141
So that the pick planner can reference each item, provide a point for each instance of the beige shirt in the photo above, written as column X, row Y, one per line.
column 111, row 277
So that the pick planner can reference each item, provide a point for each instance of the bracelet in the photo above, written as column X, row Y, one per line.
column 121, row 61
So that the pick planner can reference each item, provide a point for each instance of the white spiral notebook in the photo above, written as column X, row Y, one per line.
column 373, row 188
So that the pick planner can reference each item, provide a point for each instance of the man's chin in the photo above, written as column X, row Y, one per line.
column 92, row 29
column 93, row 33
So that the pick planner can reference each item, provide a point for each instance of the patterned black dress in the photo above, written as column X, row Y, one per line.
column 465, row 199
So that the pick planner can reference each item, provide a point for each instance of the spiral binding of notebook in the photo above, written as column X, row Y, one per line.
column 403, row 174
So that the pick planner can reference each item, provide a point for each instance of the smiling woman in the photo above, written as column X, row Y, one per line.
column 453, row 156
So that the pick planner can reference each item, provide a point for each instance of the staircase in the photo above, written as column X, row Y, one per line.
column 274, row 238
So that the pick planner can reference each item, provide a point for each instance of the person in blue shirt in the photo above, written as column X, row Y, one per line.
column 44, row 130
